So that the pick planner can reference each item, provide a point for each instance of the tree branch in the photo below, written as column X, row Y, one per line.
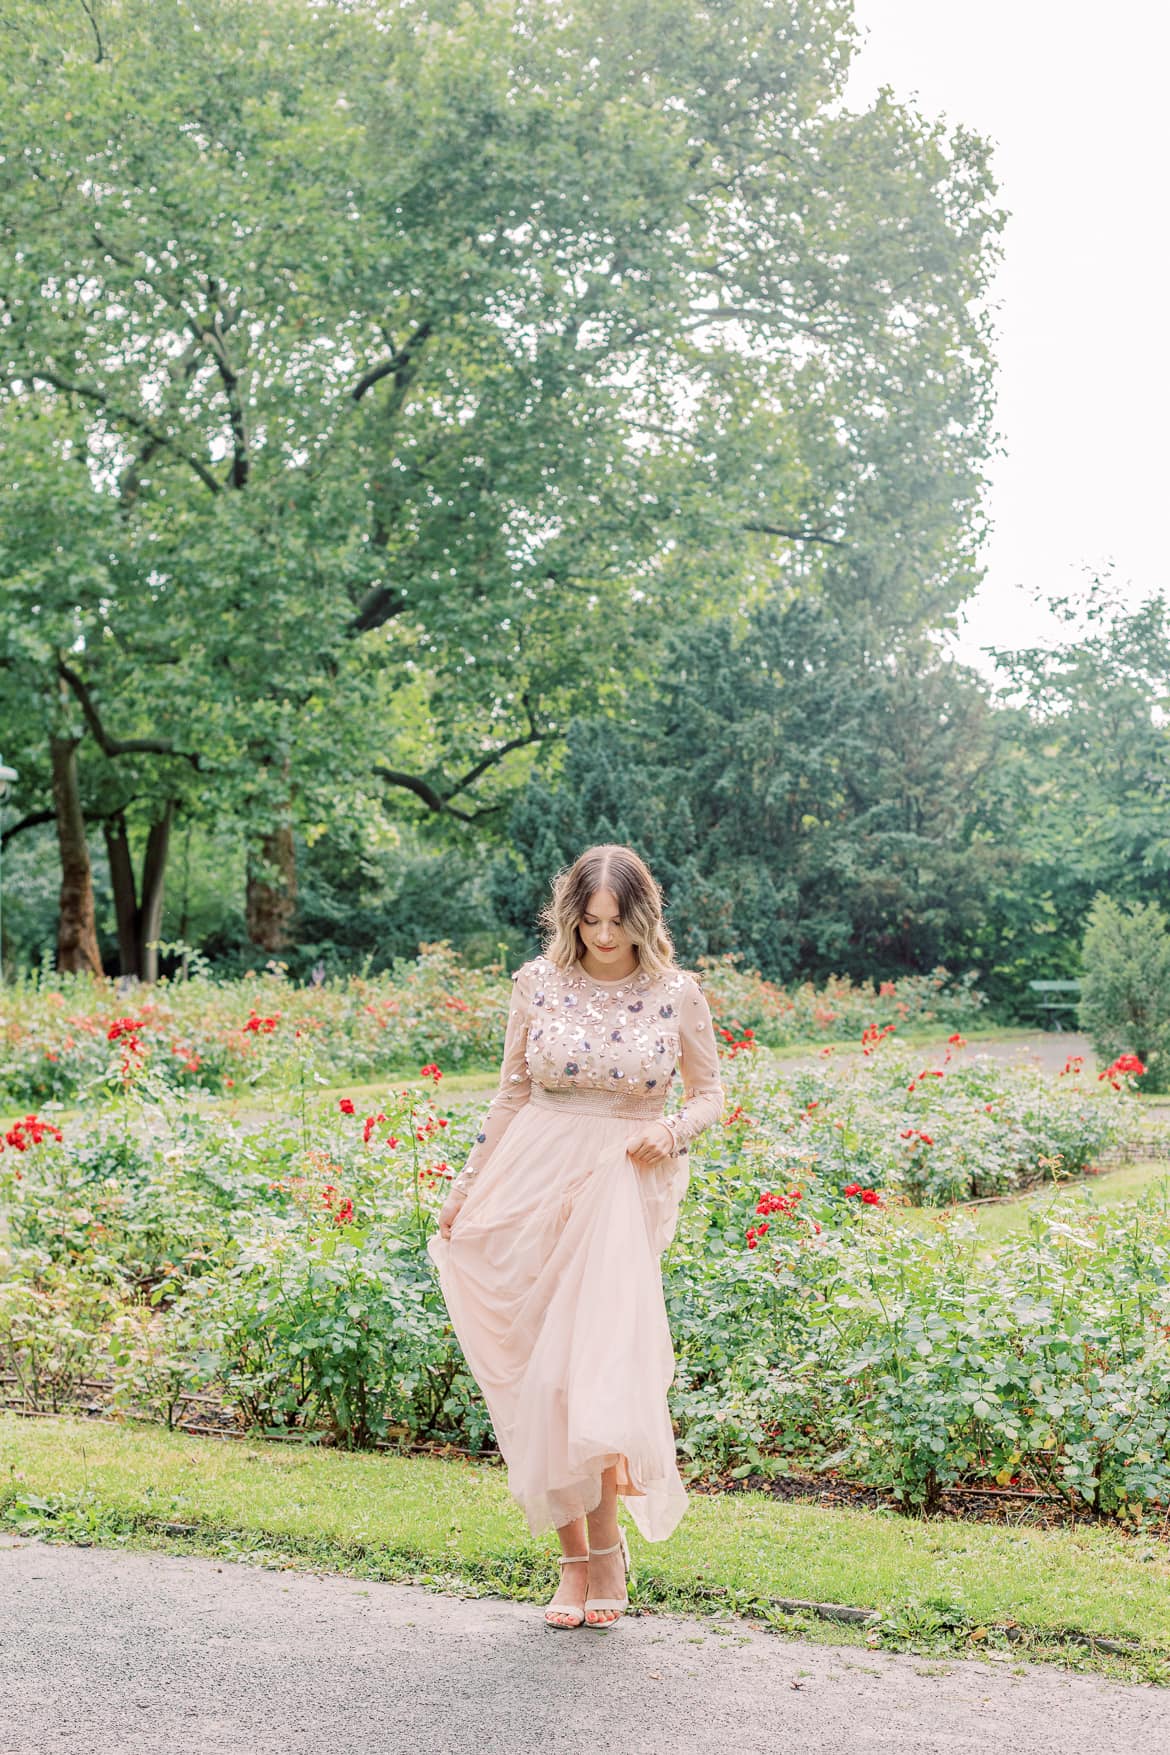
column 88, row 9
column 440, row 802
column 796, row 535
column 379, row 606
column 741, row 313
column 92, row 393
column 212, row 334
column 400, row 362
column 33, row 820
column 494, row 756
column 113, row 746
column 422, row 789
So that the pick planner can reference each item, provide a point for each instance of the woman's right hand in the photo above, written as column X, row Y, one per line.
column 450, row 1210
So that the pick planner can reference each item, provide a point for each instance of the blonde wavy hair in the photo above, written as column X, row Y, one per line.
column 608, row 866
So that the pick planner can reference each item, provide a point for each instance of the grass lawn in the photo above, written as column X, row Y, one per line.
column 449, row 1523
column 1003, row 1218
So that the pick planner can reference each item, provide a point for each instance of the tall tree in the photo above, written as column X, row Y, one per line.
column 482, row 339
column 1082, row 794
column 807, row 795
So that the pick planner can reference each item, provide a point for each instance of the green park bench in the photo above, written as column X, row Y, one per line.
column 1055, row 997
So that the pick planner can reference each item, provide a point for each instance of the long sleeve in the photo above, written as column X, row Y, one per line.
column 699, row 1065
column 515, row 1083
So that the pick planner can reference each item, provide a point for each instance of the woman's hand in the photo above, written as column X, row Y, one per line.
column 650, row 1145
column 449, row 1212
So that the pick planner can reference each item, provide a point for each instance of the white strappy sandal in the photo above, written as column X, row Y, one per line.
column 565, row 1608
column 621, row 1604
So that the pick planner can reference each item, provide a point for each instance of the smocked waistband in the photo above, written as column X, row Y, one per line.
column 593, row 1102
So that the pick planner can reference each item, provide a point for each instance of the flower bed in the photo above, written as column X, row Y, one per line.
column 82, row 1035
column 284, row 1271
column 842, row 1009
column 919, row 1362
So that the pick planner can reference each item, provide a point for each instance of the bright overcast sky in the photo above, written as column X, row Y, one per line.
column 1074, row 99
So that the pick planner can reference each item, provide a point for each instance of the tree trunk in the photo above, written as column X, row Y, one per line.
column 272, row 905
column 139, row 924
column 154, row 867
column 125, row 894
column 77, row 946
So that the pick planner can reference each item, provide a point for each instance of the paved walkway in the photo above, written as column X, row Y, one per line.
column 111, row 1652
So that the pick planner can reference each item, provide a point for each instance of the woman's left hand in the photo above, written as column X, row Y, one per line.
column 650, row 1145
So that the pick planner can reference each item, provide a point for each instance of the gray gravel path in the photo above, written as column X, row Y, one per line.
column 1048, row 1049
column 111, row 1652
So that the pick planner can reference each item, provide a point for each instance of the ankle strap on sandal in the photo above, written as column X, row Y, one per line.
column 566, row 1559
column 612, row 1550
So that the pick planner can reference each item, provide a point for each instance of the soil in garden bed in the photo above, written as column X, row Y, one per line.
column 1017, row 1507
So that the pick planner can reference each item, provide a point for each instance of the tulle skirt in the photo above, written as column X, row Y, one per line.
column 552, row 1281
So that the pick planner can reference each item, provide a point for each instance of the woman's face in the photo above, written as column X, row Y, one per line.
column 602, row 931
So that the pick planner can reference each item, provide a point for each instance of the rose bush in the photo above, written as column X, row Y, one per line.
column 841, row 1009
column 77, row 1038
column 940, row 1132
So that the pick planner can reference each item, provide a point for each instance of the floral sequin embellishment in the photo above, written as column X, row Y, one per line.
column 584, row 1036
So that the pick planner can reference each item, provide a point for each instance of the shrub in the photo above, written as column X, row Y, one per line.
column 52, row 1327
column 1125, row 989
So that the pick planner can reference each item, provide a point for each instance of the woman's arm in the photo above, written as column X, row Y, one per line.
column 699, row 1064
column 514, row 1088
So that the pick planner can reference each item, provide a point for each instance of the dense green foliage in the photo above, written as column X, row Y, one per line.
column 962, row 831
column 807, row 801
column 385, row 387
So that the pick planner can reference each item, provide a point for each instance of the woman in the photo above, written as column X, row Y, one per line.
column 549, row 1242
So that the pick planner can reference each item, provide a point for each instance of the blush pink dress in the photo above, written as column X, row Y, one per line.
column 551, row 1275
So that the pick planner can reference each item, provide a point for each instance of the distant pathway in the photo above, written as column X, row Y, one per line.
column 1048, row 1049
column 115, row 1652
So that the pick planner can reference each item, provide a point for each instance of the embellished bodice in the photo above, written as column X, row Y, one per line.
column 615, row 1046
column 586, row 1035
